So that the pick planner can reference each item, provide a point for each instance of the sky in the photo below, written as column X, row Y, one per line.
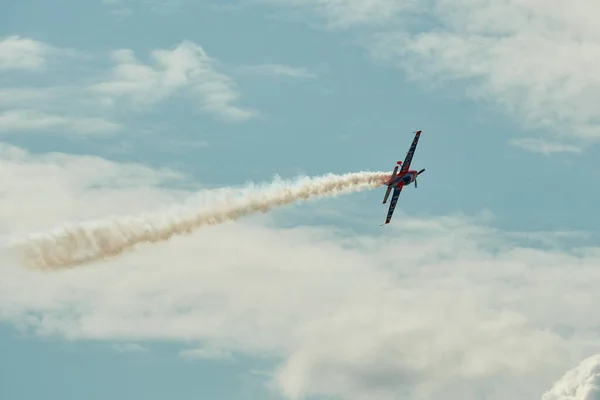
column 484, row 286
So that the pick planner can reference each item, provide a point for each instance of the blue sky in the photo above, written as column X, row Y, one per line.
column 206, row 95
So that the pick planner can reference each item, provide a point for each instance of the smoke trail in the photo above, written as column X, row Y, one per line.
column 84, row 243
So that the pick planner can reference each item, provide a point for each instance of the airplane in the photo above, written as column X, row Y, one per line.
column 403, row 178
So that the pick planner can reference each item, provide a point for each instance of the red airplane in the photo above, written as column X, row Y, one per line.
column 403, row 178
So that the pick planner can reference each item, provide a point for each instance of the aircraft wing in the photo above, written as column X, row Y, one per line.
column 393, row 202
column 411, row 152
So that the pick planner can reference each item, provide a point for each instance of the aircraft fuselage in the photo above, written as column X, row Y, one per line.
column 403, row 180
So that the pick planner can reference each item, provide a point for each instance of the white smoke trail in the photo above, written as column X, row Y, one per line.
column 84, row 243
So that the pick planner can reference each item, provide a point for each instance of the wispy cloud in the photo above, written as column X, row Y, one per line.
column 530, row 59
column 186, row 68
column 29, row 120
column 130, row 348
column 62, row 110
column 277, row 69
column 125, row 8
column 343, row 14
column 539, row 145
column 205, row 353
column 56, row 108
column 93, row 104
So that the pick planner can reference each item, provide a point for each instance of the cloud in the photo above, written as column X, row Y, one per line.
column 387, row 355
column 445, row 305
column 344, row 14
column 108, row 188
column 125, row 8
column 93, row 104
column 54, row 109
column 277, row 69
column 28, row 120
column 539, row 145
column 205, row 353
column 580, row 383
column 48, row 105
column 23, row 54
column 185, row 68
column 130, row 348
column 535, row 60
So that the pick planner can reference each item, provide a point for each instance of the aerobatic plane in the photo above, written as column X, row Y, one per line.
column 403, row 178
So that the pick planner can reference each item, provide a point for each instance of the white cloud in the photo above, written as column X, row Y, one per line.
column 48, row 107
column 54, row 109
column 539, row 145
column 342, row 14
column 130, row 348
column 450, row 351
column 22, row 53
column 277, row 69
column 92, row 104
column 125, row 8
column 534, row 59
column 185, row 68
column 436, row 306
column 102, row 187
column 29, row 120
column 580, row 383
column 205, row 353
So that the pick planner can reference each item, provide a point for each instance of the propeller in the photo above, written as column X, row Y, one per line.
column 421, row 171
